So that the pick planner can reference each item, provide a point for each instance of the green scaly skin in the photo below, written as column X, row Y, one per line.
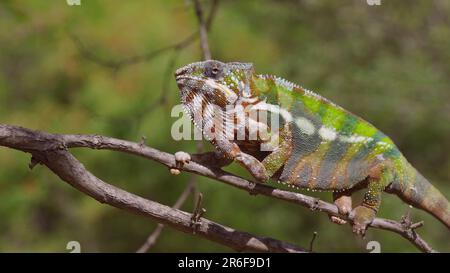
column 320, row 146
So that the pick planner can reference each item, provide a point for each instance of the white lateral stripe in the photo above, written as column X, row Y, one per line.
column 305, row 125
column 354, row 139
column 328, row 134
column 274, row 109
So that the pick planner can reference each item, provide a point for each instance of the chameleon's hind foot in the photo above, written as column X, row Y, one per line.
column 362, row 216
column 344, row 205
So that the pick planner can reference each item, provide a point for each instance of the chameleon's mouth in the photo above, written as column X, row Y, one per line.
column 182, row 76
column 180, row 79
column 180, row 72
column 186, row 81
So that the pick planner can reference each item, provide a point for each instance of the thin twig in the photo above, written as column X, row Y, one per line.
column 117, row 64
column 163, row 96
column 202, row 30
column 151, row 240
column 199, row 210
column 311, row 244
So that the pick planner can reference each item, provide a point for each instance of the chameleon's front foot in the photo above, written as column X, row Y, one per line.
column 181, row 158
column 343, row 202
column 362, row 216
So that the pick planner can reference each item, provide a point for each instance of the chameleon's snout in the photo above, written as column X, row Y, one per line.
column 180, row 76
column 185, row 70
column 180, row 71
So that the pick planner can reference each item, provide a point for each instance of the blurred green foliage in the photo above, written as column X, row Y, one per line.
column 390, row 64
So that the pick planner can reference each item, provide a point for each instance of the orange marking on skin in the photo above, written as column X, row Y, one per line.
column 244, row 104
column 295, row 172
column 375, row 171
column 235, row 151
column 337, row 173
column 190, row 97
column 315, row 166
column 220, row 99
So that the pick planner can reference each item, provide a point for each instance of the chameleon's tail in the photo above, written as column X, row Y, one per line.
column 420, row 193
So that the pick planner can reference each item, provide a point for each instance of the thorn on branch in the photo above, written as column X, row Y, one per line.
column 407, row 222
column 416, row 225
column 252, row 191
column 142, row 142
column 33, row 162
column 198, row 213
column 406, row 219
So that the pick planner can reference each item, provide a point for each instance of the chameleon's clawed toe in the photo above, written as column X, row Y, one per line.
column 361, row 217
column 337, row 220
column 359, row 229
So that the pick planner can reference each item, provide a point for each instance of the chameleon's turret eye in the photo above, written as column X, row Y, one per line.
column 213, row 70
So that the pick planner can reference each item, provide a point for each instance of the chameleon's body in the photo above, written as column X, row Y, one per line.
column 320, row 146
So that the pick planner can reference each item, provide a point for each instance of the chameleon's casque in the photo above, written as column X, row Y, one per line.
column 317, row 145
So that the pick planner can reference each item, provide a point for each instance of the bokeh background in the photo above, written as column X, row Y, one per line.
column 389, row 64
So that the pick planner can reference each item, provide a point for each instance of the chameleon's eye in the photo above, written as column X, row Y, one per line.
column 213, row 71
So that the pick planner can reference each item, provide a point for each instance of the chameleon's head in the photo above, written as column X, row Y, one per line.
column 216, row 82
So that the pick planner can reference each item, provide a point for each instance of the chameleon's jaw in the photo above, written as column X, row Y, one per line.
column 180, row 81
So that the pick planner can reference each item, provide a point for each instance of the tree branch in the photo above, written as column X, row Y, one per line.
column 39, row 144
column 51, row 150
column 203, row 31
